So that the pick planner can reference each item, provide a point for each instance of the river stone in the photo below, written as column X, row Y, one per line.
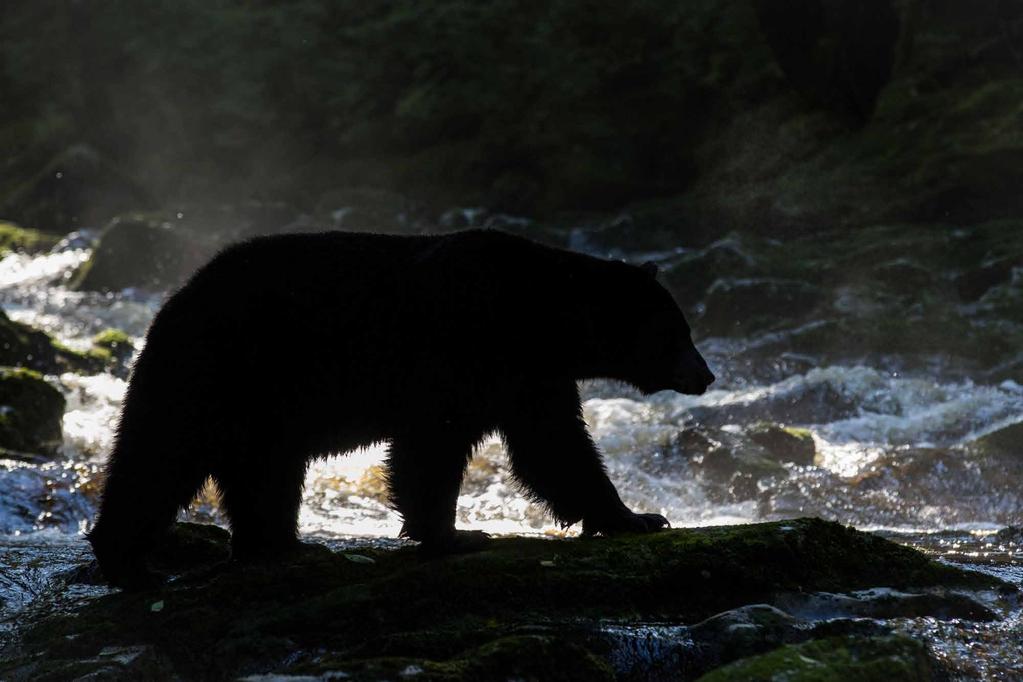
column 1006, row 440
column 803, row 401
column 690, row 275
column 24, row 346
column 740, row 306
column 728, row 461
column 867, row 659
column 135, row 251
column 31, row 412
column 784, row 444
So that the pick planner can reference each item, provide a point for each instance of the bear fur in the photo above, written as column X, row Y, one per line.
column 291, row 347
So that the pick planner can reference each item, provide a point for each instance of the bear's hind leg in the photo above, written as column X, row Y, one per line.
column 262, row 496
column 425, row 473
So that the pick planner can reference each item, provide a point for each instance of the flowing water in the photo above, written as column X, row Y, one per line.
column 889, row 445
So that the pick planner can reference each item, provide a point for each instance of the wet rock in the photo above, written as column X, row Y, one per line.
column 25, row 346
column 734, row 471
column 871, row 659
column 135, row 251
column 16, row 238
column 1010, row 534
column 690, row 275
column 31, row 412
column 886, row 603
column 317, row 611
column 744, row 632
column 813, row 398
column 78, row 187
column 736, row 463
column 742, row 306
column 784, row 443
column 518, row 657
column 904, row 276
column 114, row 349
column 1007, row 440
column 975, row 282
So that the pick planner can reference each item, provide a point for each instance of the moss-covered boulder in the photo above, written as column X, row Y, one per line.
column 25, row 346
column 114, row 349
column 865, row 659
column 137, row 251
column 372, row 612
column 784, row 443
column 31, row 412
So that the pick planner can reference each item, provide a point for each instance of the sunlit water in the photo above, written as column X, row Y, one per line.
column 867, row 423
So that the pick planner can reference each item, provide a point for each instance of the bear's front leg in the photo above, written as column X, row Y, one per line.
column 425, row 473
column 554, row 457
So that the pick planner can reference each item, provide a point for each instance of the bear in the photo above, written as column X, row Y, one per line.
column 289, row 347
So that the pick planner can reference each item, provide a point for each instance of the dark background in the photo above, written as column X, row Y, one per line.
column 700, row 116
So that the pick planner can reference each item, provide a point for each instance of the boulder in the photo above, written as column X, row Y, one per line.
column 31, row 413
column 136, row 251
column 868, row 659
column 784, row 443
column 740, row 306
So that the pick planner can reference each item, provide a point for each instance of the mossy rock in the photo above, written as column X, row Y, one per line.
column 137, row 251
column 31, row 412
column 369, row 609
column 517, row 657
column 114, row 349
column 784, row 443
column 864, row 659
column 16, row 238
column 25, row 346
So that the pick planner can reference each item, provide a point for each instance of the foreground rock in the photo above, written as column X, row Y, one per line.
column 529, row 608
column 839, row 658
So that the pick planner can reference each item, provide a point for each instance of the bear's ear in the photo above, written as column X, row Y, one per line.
column 650, row 268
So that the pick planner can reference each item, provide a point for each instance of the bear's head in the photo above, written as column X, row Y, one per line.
column 651, row 345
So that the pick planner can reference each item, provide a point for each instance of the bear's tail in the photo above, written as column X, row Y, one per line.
column 144, row 489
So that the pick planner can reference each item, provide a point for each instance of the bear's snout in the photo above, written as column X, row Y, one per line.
column 694, row 376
